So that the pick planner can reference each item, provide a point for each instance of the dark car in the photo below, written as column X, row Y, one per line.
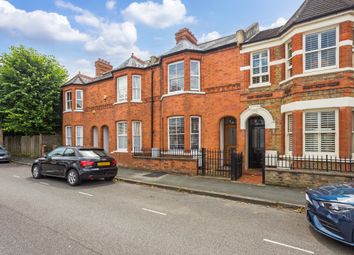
column 5, row 156
column 330, row 211
column 76, row 164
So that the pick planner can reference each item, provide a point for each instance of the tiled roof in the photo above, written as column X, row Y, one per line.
column 181, row 46
column 79, row 79
column 132, row 61
column 309, row 10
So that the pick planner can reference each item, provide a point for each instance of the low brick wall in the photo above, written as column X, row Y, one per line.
column 165, row 164
column 304, row 178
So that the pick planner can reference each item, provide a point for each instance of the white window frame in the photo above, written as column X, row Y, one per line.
column 168, row 133
column 288, row 133
column 76, row 100
column 194, row 76
column 138, row 88
column 77, row 138
column 288, row 59
column 336, row 132
column 122, row 135
column 67, row 109
column 319, row 31
column 261, row 84
column 68, row 139
column 133, row 136
column 199, row 131
column 168, row 77
column 120, row 90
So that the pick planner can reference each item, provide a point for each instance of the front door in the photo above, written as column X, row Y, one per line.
column 229, row 138
column 256, row 140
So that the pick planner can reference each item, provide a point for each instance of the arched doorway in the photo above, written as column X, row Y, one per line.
column 256, row 142
column 105, row 139
column 227, row 137
column 95, row 137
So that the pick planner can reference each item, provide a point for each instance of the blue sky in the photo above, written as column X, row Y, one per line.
column 77, row 32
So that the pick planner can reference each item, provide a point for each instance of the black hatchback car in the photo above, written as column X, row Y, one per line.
column 76, row 164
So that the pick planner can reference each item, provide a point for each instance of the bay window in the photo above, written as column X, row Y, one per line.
column 79, row 133
column 122, row 136
column 195, row 133
column 136, row 88
column 195, row 75
column 68, row 135
column 176, row 133
column 321, row 49
column 68, row 101
column 136, row 135
column 320, row 132
column 260, row 68
column 176, row 77
column 289, row 133
column 289, row 59
column 79, row 100
column 122, row 84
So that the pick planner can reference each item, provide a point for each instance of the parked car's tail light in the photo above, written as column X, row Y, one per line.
column 114, row 162
column 86, row 164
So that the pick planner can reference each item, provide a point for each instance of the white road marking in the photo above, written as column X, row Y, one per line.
column 16, row 176
column 86, row 194
column 44, row 183
column 148, row 210
column 289, row 246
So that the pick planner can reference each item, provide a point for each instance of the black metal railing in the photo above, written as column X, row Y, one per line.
column 163, row 153
column 219, row 163
column 317, row 163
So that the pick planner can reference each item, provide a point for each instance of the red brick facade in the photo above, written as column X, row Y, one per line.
column 225, row 91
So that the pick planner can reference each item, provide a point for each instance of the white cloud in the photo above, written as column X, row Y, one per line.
column 110, row 4
column 209, row 37
column 279, row 22
column 37, row 24
column 169, row 13
column 107, row 38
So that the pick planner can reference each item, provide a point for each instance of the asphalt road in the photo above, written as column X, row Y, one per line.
column 49, row 217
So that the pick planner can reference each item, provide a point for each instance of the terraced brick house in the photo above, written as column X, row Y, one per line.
column 282, row 91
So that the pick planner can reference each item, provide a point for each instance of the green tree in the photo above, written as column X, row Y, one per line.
column 30, row 91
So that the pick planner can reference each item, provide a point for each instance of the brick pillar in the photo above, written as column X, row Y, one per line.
column 297, row 133
column 345, row 132
column 297, row 59
column 187, row 71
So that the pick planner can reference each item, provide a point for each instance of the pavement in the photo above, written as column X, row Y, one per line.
column 47, row 216
column 258, row 194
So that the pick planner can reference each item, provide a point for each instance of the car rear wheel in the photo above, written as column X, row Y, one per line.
column 73, row 177
column 36, row 172
column 109, row 178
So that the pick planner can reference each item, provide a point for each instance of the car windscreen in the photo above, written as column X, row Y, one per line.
column 93, row 153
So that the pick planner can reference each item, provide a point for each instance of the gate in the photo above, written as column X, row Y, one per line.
column 218, row 163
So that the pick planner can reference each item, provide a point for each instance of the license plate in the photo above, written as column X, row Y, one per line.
column 103, row 163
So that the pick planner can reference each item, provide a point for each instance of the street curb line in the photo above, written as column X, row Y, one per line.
column 21, row 163
column 239, row 198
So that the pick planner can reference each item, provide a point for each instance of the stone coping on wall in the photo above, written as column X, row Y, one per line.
column 165, row 158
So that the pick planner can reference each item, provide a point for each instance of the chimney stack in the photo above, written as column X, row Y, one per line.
column 185, row 34
column 102, row 66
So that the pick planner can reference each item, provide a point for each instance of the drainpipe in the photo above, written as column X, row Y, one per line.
column 152, row 106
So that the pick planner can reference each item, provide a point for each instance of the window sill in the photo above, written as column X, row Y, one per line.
column 183, row 93
column 319, row 70
column 120, row 151
column 121, row 102
column 136, row 101
column 260, row 85
column 67, row 111
column 82, row 110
